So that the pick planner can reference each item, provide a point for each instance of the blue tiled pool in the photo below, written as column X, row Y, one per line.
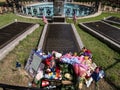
column 46, row 9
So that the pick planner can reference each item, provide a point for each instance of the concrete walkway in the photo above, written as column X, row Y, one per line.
column 92, row 15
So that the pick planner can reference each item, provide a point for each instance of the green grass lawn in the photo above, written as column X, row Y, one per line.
column 102, row 54
column 20, row 53
column 8, row 18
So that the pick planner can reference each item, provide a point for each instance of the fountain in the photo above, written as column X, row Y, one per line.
column 61, row 8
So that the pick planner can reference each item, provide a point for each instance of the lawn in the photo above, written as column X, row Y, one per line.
column 2, row 0
column 102, row 54
column 8, row 72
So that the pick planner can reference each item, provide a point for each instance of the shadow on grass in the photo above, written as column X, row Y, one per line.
column 117, row 61
column 107, row 79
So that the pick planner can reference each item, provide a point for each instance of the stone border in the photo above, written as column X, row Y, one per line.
column 92, row 15
column 110, row 25
column 89, row 16
column 6, row 25
column 6, row 49
column 106, row 40
column 77, row 37
column 109, row 21
column 42, row 38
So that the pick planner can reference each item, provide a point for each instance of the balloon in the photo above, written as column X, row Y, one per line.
column 79, row 71
column 76, row 69
column 82, row 72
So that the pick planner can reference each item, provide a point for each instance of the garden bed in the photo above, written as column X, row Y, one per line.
column 105, row 32
column 11, row 34
column 113, row 20
column 60, row 37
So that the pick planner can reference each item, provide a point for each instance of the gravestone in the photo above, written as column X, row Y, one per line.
column 33, row 63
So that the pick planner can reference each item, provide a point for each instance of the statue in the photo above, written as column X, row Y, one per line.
column 58, row 7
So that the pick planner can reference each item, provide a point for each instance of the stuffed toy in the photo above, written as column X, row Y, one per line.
column 68, row 76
